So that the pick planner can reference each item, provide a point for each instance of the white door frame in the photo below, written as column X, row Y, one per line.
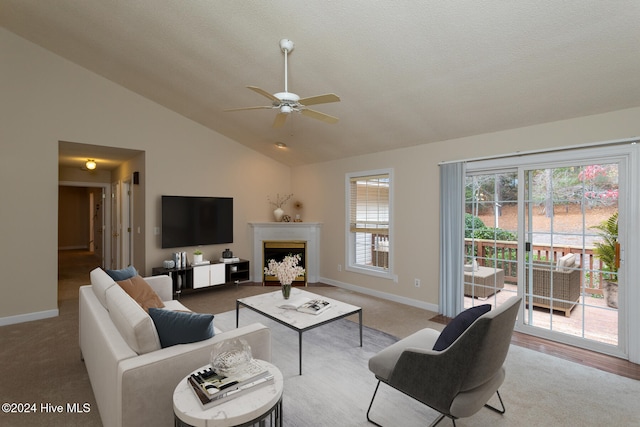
column 629, row 208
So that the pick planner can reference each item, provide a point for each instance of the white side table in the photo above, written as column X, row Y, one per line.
column 251, row 408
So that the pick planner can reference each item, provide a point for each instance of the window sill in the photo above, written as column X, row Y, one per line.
column 371, row 272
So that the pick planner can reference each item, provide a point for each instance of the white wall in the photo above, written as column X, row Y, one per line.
column 46, row 99
column 416, row 198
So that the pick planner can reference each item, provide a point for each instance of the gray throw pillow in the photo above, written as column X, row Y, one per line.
column 179, row 327
column 122, row 274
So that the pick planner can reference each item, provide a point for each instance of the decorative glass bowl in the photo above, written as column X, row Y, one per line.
column 230, row 356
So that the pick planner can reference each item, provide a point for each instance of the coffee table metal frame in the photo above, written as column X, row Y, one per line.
column 322, row 319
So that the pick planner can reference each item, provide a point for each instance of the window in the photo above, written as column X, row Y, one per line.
column 369, row 246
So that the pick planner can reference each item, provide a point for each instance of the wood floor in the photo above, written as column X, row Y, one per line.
column 74, row 269
column 600, row 361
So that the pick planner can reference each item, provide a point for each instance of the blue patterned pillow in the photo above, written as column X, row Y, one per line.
column 458, row 325
column 179, row 327
column 123, row 274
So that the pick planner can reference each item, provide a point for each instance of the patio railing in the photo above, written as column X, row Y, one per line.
column 504, row 254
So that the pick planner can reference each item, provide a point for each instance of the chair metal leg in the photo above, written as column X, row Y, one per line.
column 433, row 424
column 500, row 411
column 371, row 404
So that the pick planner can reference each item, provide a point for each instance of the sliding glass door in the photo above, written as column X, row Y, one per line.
column 565, row 278
column 543, row 229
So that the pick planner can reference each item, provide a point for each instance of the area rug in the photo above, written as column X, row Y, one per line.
column 336, row 385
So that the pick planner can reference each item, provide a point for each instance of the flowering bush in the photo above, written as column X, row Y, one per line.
column 286, row 270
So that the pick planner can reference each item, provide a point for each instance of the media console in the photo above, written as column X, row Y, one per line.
column 205, row 276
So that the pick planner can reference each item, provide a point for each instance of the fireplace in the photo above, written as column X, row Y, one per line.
column 307, row 232
column 278, row 249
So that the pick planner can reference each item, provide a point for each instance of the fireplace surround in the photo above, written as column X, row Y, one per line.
column 307, row 232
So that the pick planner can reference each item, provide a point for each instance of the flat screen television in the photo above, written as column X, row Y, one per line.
column 193, row 221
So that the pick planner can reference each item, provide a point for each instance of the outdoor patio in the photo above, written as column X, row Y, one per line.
column 600, row 321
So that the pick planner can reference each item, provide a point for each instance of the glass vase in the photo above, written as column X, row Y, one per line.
column 286, row 291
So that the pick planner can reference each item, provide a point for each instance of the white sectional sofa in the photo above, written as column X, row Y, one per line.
column 132, row 377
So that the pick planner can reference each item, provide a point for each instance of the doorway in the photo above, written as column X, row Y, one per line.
column 81, row 234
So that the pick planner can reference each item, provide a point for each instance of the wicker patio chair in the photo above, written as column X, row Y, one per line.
column 565, row 284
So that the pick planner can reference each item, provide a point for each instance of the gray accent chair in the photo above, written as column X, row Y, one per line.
column 459, row 380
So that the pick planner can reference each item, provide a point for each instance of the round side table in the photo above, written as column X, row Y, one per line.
column 251, row 408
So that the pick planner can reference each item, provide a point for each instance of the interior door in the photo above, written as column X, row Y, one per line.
column 116, row 226
column 97, row 222
column 126, row 235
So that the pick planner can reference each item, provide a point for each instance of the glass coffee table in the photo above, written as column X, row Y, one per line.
column 267, row 305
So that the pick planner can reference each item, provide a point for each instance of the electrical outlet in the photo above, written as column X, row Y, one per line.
column 416, row 283
column 339, row 267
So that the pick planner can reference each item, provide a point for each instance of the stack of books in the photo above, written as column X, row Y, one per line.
column 212, row 388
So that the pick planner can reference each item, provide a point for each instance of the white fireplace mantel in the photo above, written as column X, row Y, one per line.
column 307, row 231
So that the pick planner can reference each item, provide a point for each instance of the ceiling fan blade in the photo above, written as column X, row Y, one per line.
column 280, row 119
column 263, row 93
column 319, row 116
column 320, row 99
column 248, row 108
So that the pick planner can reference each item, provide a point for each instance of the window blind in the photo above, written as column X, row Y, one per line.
column 369, row 209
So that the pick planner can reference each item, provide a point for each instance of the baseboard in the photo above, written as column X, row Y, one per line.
column 384, row 295
column 28, row 317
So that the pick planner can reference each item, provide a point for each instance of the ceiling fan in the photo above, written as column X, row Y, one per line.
column 287, row 102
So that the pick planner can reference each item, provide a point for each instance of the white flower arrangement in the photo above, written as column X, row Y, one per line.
column 286, row 270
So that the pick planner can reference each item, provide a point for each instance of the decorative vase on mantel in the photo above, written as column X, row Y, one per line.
column 286, row 290
column 277, row 214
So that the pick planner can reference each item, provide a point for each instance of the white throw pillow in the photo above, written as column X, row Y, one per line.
column 471, row 267
column 133, row 323
column 566, row 262
column 100, row 282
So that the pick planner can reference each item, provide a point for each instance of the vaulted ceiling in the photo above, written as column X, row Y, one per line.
column 407, row 72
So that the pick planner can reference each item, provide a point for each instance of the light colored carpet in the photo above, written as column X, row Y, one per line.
column 336, row 385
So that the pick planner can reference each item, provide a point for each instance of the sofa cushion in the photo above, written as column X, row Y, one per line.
column 122, row 274
column 566, row 262
column 141, row 292
column 458, row 325
column 100, row 282
column 133, row 323
column 179, row 327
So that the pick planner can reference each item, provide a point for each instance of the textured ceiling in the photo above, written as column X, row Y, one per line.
column 408, row 72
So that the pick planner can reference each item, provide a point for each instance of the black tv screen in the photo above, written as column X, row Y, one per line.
column 193, row 221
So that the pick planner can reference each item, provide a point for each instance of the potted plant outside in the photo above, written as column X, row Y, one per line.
column 607, row 252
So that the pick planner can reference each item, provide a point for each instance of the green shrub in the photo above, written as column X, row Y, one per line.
column 488, row 233
column 472, row 223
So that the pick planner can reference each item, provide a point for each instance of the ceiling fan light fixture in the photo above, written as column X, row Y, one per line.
column 286, row 102
column 91, row 164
